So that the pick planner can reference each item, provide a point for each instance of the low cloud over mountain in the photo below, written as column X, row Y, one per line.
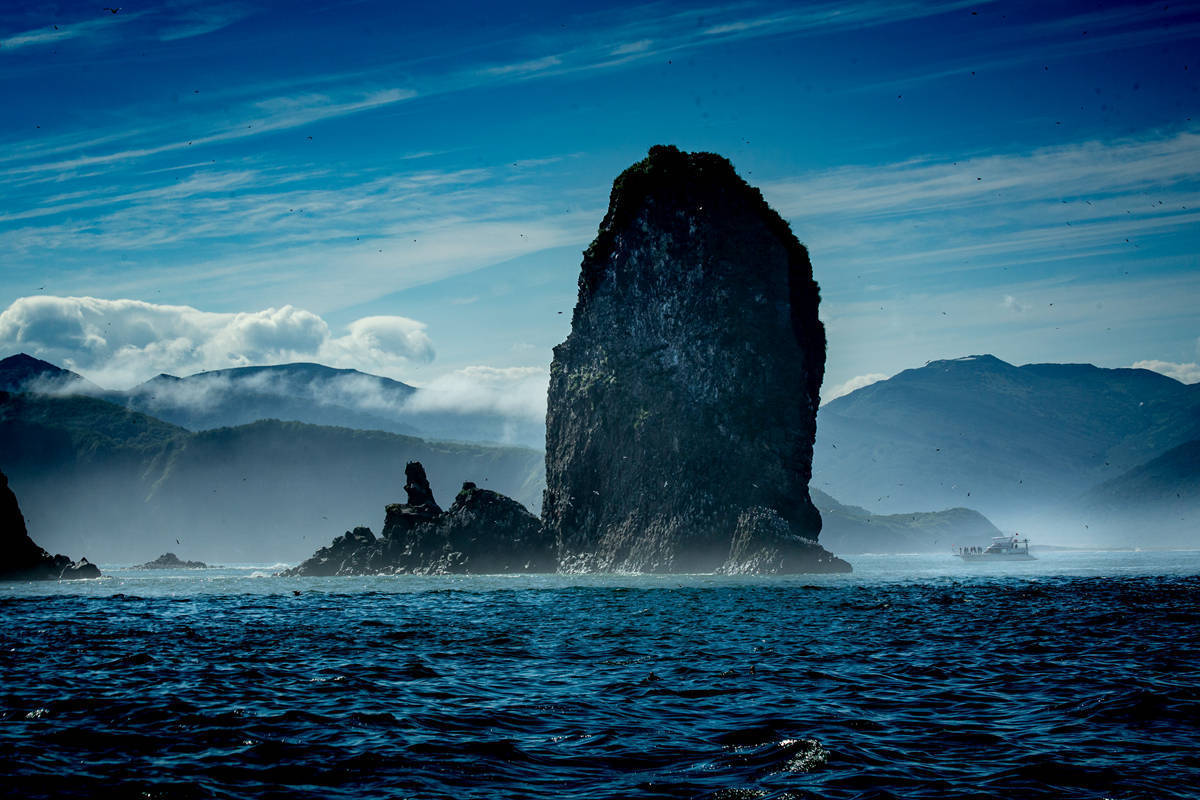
column 517, row 392
column 118, row 343
column 481, row 404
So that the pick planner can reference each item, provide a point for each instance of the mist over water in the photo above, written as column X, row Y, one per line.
column 916, row 676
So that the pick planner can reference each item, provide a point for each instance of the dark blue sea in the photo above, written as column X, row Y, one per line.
column 1074, row 676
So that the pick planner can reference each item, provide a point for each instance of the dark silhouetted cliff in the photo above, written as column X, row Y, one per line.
column 682, row 406
column 20, row 557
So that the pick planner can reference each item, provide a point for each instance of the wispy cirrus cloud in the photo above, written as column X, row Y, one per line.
column 629, row 48
column 655, row 30
column 1071, row 201
column 268, row 115
column 273, row 231
column 202, row 19
column 646, row 33
column 931, row 184
column 199, row 183
column 1114, row 18
column 745, row 25
column 1052, row 41
column 523, row 67
column 56, row 33
column 169, row 22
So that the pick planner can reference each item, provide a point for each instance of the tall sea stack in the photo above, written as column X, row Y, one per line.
column 682, row 406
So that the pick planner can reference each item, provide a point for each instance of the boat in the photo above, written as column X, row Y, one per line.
column 1003, row 548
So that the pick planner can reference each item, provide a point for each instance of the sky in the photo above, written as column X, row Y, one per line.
column 406, row 189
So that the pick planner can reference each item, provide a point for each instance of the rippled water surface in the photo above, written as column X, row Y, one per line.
column 1077, row 675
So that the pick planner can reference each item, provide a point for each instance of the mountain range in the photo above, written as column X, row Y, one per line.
column 95, row 476
column 850, row 530
column 1024, row 445
column 1162, row 495
column 301, row 392
column 1071, row 454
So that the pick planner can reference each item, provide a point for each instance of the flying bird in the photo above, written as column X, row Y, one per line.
column 113, row 10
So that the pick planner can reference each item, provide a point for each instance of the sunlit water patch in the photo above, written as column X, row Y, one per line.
column 915, row 677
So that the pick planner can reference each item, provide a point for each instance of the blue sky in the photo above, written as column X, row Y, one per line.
column 406, row 189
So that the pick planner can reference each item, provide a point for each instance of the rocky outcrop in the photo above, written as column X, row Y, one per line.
column 765, row 544
column 483, row 532
column 20, row 557
column 682, row 406
column 355, row 552
column 171, row 561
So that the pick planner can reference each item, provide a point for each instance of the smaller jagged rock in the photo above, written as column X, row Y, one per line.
column 763, row 544
column 403, row 519
column 20, row 557
column 348, row 554
column 171, row 561
column 483, row 532
column 76, row 570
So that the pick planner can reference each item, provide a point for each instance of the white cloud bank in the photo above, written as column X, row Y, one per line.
column 118, row 343
column 517, row 392
column 846, row 387
column 1184, row 373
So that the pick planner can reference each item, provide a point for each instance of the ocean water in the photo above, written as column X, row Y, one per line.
column 1073, row 676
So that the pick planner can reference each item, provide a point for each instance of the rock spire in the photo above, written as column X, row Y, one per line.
column 682, row 406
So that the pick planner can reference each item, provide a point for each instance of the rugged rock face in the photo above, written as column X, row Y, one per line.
column 483, row 532
column 355, row 552
column 171, row 561
column 20, row 557
column 765, row 544
column 682, row 406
